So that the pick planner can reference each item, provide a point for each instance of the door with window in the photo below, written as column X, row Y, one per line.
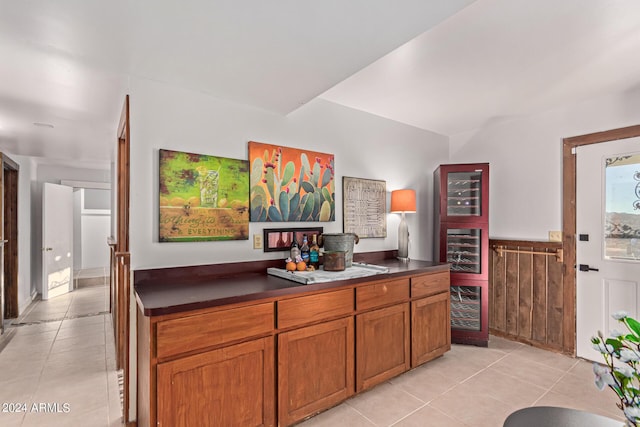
column 608, row 238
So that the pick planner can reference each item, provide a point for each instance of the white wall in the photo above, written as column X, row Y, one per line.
column 525, row 156
column 95, row 228
column 364, row 146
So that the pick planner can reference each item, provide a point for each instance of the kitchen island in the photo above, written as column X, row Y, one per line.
column 229, row 345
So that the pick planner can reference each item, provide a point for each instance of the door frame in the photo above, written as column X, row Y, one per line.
column 569, row 221
column 120, row 271
column 9, row 228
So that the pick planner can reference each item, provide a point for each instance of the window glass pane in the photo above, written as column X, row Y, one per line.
column 622, row 207
column 466, row 307
column 463, row 249
column 464, row 193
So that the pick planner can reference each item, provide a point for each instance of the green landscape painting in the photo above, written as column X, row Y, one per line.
column 202, row 197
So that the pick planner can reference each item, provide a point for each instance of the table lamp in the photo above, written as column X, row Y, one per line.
column 403, row 201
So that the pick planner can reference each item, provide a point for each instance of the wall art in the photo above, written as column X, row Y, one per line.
column 290, row 184
column 280, row 239
column 364, row 207
column 202, row 197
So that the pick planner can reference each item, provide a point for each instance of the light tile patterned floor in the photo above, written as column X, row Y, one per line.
column 472, row 386
column 64, row 354
column 58, row 365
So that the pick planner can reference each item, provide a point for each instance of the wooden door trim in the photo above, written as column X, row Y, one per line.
column 122, row 257
column 10, row 233
column 569, row 220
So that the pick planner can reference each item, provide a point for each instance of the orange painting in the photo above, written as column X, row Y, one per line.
column 290, row 184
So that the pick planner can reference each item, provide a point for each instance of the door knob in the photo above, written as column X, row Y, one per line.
column 585, row 267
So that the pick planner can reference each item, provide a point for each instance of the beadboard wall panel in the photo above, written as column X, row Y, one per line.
column 526, row 293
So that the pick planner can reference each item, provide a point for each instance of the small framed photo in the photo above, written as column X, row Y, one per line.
column 280, row 239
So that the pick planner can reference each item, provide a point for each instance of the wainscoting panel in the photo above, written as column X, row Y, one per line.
column 526, row 296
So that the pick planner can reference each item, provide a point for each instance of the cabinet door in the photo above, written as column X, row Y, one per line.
column 464, row 192
column 315, row 369
column 231, row 386
column 430, row 325
column 466, row 248
column 469, row 311
column 382, row 345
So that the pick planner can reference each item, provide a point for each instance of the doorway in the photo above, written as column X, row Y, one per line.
column 569, row 227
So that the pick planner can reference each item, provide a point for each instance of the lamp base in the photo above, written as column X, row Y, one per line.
column 403, row 239
column 403, row 259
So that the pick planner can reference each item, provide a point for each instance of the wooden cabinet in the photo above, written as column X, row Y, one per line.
column 430, row 317
column 314, row 308
column 186, row 334
column 278, row 360
column 315, row 369
column 382, row 345
column 431, row 334
column 231, row 386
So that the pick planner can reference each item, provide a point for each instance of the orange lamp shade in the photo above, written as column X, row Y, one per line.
column 403, row 201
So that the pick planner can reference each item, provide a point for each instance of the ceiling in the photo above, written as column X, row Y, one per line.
column 442, row 65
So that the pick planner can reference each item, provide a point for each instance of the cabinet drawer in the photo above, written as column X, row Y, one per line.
column 381, row 294
column 314, row 308
column 210, row 329
column 429, row 284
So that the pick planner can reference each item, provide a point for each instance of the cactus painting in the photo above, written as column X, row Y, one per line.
column 202, row 197
column 289, row 184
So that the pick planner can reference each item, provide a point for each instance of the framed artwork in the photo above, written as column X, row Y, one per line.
column 202, row 197
column 280, row 239
column 290, row 184
column 364, row 207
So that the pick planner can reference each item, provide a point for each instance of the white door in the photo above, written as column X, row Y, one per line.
column 57, row 238
column 608, row 238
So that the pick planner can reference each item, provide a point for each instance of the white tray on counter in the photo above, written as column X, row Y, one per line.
column 319, row 276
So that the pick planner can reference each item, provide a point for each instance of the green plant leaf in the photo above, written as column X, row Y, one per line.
column 633, row 325
column 274, row 214
column 326, row 178
column 306, row 186
column 305, row 165
column 293, row 189
column 270, row 183
column 616, row 344
column 326, row 195
column 256, row 213
column 294, row 203
column 259, row 196
column 256, row 172
column 283, row 203
column 325, row 211
column 307, row 211
column 289, row 169
column 632, row 338
column 316, row 174
column 317, row 204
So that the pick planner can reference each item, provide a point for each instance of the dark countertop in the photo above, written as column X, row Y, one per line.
column 178, row 294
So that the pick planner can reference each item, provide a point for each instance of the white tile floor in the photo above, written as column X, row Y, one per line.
column 472, row 386
column 64, row 354
column 58, row 365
